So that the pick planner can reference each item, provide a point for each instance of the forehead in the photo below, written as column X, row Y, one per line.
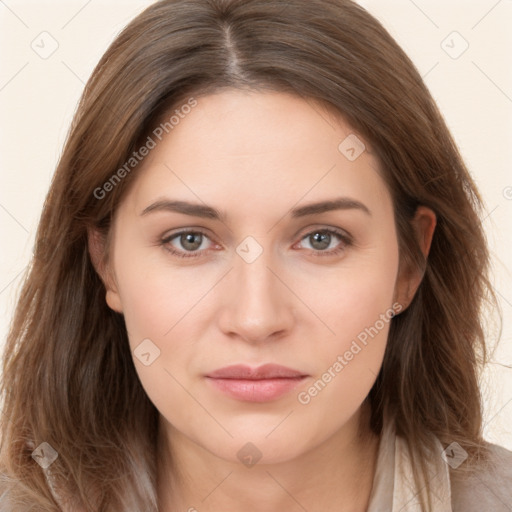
column 236, row 147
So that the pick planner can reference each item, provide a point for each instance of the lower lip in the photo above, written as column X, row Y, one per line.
column 262, row 390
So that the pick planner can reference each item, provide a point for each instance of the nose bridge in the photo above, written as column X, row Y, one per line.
column 256, row 306
column 255, row 284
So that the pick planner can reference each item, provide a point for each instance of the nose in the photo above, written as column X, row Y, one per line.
column 257, row 306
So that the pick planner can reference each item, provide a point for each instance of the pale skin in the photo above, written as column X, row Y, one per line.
column 255, row 156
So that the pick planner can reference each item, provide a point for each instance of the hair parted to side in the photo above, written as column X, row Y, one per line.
column 68, row 375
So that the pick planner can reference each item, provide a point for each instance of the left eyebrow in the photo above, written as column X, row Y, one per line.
column 341, row 203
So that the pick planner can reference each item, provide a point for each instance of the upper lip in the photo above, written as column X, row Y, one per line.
column 266, row 371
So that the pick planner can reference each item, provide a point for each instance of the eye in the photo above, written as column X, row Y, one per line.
column 327, row 242
column 186, row 244
column 193, row 243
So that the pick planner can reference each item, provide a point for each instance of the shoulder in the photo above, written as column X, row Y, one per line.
column 489, row 487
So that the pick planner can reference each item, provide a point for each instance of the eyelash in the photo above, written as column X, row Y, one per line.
column 345, row 239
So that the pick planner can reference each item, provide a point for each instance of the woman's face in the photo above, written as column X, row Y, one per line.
column 264, row 277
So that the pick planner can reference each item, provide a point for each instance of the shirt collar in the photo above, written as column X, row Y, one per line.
column 394, row 488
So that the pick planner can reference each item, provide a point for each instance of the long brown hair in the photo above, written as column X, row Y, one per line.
column 68, row 375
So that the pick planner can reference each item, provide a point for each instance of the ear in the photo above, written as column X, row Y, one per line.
column 97, row 245
column 409, row 278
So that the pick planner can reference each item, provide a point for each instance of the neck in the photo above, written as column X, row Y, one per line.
column 336, row 475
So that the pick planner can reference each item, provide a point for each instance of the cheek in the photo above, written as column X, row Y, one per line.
column 353, row 298
column 336, row 393
column 159, row 319
column 147, row 312
column 357, row 308
column 165, row 310
column 155, row 296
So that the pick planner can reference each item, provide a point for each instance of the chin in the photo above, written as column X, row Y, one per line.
column 250, row 452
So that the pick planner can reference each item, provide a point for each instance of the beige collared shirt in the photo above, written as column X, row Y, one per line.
column 452, row 490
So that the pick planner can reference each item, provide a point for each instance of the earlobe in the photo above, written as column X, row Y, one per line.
column 113, row 300
column 409, row 278
column 97, row 247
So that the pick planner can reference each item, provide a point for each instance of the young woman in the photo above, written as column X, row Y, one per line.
column 257, row 283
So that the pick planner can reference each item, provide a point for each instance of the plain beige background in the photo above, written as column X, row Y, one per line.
column 462, row 49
